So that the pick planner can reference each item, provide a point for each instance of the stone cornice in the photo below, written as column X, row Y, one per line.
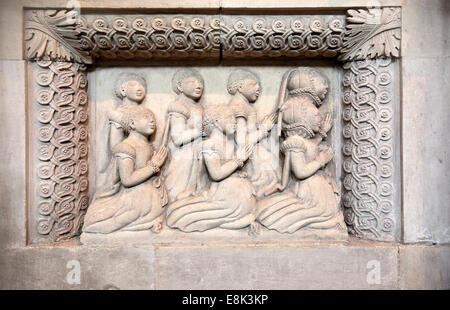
column 60, row 35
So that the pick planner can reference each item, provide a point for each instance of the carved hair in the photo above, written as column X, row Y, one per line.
column 236, row 79
column 299, row 123
column 214, row 113
column 303, row 78
column 181, row 75
column 133, row 113
column 299, row 81
column 124, row 78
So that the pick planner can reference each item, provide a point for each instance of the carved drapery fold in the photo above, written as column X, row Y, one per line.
column 368, row 149
column 63, row 149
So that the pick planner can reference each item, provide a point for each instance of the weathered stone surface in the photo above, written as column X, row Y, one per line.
column 271, row 266
column 55, row 268
column 421, row 18
column 12, row 153
column 424, row 267
column 426, row 149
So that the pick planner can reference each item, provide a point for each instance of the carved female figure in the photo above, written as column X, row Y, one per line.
column 245, row 88
column 184, row 175
column 230, row 201
column 312, row 198
column 137, row 200
column 131, row 90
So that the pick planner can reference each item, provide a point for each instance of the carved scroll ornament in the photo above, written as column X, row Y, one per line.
column 293, row 37
column 63, row 148
column 368, row 149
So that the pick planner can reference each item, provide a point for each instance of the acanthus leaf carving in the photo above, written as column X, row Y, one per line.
column 371, row 34
column 54, row 35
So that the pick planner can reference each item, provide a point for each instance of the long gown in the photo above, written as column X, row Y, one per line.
column 228, row 204
column 309, row 203
column 263, row 166
column 127, row 208
column 184, row 172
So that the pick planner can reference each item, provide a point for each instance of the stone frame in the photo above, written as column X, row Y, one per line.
column 59, row 48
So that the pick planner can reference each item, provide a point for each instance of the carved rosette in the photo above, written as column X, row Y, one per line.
column 291, row 37
column 63, row 149
column 128, row 38
column 368, row 149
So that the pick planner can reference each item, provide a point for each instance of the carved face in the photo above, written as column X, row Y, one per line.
column 134, row 91
column 250, row 88
column 144, row 124
column 192, row 88
column 321, row 87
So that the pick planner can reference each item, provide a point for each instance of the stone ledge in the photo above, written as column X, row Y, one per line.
column 269, row 265
column 263, row 265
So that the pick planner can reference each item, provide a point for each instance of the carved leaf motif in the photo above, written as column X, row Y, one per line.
column 371, row 34
column 54, row 35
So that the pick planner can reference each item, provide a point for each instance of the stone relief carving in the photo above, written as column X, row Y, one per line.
column 222, row 205
column 262, row 168
column 368, row 147
column 130, row 89
column 371, row 34
column 63, row 149
column 57, row 35
column 184, row 175
column 293, row 37
column 311, row 198
column 136, row 201
column 214, row 175
column 125, row 38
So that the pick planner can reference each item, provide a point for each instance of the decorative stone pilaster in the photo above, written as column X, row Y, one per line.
column 370, row 198
column 61, row 130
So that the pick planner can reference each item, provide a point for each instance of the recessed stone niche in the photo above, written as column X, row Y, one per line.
column 284, row 128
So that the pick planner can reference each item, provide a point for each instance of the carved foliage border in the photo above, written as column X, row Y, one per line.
column 368, row 149
column 62, row 132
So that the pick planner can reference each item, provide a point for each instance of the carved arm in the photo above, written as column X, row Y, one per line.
column 130, row 177
column 216, row 169
column 179, row 134
column 301, row 168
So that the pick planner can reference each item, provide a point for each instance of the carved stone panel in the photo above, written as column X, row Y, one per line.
column 199, row 205
column 158, row 165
